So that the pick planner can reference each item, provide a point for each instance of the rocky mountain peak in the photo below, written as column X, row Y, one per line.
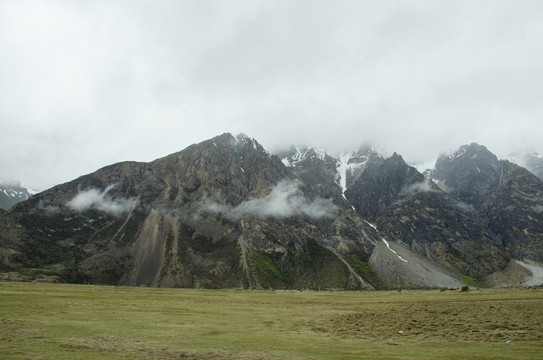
column 381, row 184
column 472, row 174
column 396, row 158
column 240, row 143
column 246, row 144
column 473, row 158
column 298, row 156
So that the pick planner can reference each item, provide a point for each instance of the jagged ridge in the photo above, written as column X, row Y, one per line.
column 226, row 213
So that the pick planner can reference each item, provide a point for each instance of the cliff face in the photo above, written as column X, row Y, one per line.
column 506, row 197
column 381, row 184
column 471, row 174
column 412, row 210
column 516, row 212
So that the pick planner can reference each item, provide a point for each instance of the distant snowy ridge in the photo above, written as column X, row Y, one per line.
column 348, row 165
column 12, row 193
column 303, row 154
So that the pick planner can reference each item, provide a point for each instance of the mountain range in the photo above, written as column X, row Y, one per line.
column 13, row 192
column 225, row 213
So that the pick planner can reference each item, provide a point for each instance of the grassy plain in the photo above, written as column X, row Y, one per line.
column 59, row 321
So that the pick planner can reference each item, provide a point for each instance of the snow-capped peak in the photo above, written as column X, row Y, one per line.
column 297, row 155
column 13, row 192
column 244, row 140
column 351, row 164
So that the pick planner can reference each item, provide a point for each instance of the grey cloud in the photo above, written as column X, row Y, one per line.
column 416, row 77
column 462, row 206
column 100, row 200
column 423, row 186
column 284, row 200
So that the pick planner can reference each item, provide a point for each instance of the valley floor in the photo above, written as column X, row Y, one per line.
column 59, row 321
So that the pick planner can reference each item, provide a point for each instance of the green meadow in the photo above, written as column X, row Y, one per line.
column 60, row 321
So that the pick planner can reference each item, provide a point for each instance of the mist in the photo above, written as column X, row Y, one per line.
column 424, row 186
column 86, row 84
column 285, row 200
column 101, row 201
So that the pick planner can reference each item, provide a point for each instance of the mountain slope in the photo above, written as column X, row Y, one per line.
column 381, row 185
column 516, row 213
column 222, row 213
column 226, row 213
column 413, row 211
column 507, row 197
column 428, row 226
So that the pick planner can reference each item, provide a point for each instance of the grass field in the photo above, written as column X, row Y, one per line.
column 58, row 321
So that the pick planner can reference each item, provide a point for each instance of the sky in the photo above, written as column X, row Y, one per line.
column 84, row 84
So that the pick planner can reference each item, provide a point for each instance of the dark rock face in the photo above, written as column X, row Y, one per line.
column 410, row 209
column 315, row 168
column 507, row 198
column 380, row 185
column 516, row 213
column 435, row 225
column 471, row 174
column 358, row 162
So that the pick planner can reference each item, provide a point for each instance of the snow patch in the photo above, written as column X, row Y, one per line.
column 344, row 166
column 461, row 152
column 398, row 255
column 305, row 153
column 370, row 224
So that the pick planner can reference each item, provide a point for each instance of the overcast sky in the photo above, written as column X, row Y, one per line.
column 84, row 84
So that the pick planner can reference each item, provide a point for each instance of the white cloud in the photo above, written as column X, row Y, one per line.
column 462, row 206
column 285, row 200
column 416, row 77
column 424, row 186
column 99, row 200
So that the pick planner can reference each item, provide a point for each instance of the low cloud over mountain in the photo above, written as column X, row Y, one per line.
column 100, row 200
column 285, row 200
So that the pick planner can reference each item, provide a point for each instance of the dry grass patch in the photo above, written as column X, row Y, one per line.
column 469, row 320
